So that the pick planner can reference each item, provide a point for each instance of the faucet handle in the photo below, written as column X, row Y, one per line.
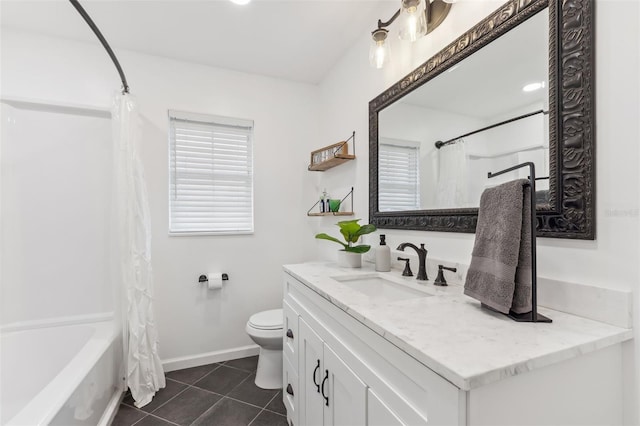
column 407, row 268
column 440, row 279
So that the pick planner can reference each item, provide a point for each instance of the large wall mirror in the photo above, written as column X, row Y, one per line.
column 517, row 87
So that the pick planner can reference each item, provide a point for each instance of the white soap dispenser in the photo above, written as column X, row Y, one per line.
column 383, row 256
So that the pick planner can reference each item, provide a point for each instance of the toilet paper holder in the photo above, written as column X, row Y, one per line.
column 204, row 279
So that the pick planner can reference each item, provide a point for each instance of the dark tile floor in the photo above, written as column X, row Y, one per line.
column 217, row 394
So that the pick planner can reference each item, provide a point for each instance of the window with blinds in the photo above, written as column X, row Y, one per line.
column 398, row 178
column 211, row 174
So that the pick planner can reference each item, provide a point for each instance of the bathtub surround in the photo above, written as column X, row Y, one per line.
column 144, row 373
column 57, row 290
column 38, row 212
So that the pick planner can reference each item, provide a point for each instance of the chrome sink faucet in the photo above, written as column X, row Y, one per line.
column 422, row 259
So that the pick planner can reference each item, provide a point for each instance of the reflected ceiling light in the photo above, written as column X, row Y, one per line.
column 241, row 2
column 533, row 86
column 418, row 18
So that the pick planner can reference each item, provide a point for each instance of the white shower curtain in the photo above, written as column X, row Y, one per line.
column 452, row 176
column 144, row 373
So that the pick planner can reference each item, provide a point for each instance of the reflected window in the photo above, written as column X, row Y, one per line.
column 398, row 177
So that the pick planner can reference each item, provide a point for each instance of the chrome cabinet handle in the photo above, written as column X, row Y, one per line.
column 290, row 334
column 326, row 398
column 314, row 377
column 290, row 389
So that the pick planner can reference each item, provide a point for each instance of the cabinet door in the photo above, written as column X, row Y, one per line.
column 344, row 394
column 310, row 376
column 378, row 412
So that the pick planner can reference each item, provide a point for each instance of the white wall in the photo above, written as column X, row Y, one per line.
column 192, row 320
column 609, row 261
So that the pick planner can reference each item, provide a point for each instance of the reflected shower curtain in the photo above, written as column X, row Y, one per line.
column 144, row 373
column 452, row 176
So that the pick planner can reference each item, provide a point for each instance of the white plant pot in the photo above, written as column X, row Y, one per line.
column 348, row 259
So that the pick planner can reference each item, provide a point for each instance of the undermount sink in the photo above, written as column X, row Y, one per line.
column 379, row 288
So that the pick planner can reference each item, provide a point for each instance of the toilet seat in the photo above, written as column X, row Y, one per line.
column 267, row 320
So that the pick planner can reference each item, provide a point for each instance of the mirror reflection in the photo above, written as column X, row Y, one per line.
column 487, row 113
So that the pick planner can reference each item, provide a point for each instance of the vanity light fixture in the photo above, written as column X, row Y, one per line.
column 413, row 20
column 418, row 18
column 240, row 2
column 379, row 53
column 533, row 87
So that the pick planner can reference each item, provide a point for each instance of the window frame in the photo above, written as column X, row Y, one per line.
column 214, row 121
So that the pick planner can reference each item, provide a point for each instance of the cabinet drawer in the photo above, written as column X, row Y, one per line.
column 290, row 385
column 290, row 335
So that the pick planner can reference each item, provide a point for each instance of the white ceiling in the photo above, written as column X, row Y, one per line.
column 297, row 40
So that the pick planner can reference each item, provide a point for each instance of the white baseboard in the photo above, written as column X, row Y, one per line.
column 197, row 360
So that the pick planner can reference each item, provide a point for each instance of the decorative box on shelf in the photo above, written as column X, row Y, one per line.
column 333, row 155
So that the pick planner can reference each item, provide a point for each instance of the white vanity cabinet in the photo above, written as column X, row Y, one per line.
column 343, row 380
column 339, row 370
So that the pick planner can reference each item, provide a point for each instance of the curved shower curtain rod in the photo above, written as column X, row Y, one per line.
column 96, row 31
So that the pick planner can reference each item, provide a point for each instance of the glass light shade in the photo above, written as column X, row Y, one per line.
column 413, row 21
column 379, row 52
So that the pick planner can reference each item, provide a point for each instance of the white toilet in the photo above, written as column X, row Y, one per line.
column 265, row 328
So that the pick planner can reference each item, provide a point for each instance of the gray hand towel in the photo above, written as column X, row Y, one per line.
column 500, row 272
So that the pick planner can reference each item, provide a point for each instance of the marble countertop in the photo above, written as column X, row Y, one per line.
column 452, row 335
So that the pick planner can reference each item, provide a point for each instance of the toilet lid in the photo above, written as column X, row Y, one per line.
column 267, row 320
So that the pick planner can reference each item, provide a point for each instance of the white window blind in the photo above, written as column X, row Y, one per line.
column 211, row 174
column 398, row 178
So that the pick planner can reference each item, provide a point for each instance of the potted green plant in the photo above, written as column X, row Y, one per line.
column 351, row 255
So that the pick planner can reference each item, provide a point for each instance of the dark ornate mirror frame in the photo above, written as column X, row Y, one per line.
column 570, row 212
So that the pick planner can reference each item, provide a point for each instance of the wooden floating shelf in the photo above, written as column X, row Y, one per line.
column 333, row 155
column 331, row 214
column 332, row 162
column 316, row 213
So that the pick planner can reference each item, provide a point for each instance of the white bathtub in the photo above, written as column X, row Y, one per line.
column 64, row 375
